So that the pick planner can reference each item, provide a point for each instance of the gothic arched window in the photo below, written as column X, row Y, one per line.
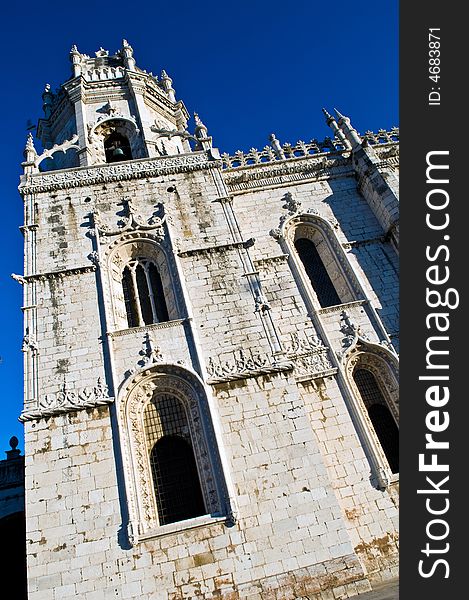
column 317, row 273
column 117, row 147
column 380, row 416
column 176, row 482
column 143, row 294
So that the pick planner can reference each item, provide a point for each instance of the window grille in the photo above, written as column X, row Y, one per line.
column 317, row 273
column 175, row 477
column 380, row 416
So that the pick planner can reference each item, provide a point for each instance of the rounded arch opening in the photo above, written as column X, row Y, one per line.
column 117, row 147
column 168, row 402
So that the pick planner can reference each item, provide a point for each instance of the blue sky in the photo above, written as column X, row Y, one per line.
column 248, row 68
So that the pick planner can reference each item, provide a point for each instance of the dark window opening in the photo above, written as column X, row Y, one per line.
column 117, row 147
column 380, row 416
column 158, row 294
column 176, row 481
column 129, row 298
column 143, row 294
column 317, row 274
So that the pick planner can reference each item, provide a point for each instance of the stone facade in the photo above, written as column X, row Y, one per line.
column 300, row 499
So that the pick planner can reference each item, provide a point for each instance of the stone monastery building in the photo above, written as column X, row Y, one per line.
column 211, row 400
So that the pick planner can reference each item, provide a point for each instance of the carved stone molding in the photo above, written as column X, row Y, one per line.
column 244, row 364
column 217, row 248
column 310, row 357
column 341, row 307
column 69, row 401
column 137, row 169
column 274, row 174
column 147, row 328
column 60, row 274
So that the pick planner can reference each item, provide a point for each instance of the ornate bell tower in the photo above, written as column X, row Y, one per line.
column 174, row 371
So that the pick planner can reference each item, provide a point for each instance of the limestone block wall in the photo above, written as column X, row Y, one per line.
column 308, row 517
column 290, row 531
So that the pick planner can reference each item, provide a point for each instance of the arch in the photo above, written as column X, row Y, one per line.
column 166, row 402
column 122, row 130
column 142, row 286
column 380, row 416
column 117, row 147
column 319, row 255
column 372, row 373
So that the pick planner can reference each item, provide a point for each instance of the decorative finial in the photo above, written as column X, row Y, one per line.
column 30, row 143
column 326, row 114
column 198, row 122
column 101, row 52
column 276, row 146
column 14, row 452
column 74, row 50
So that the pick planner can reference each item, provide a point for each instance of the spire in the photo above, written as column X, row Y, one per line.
column 128, row 55
column 75, row 59
column 348, row 130
column 339, row 134
column 30, row 144
column 168, row 85
column 341, row 116
column 204, row 141
column 30, row 155
column 47, row 98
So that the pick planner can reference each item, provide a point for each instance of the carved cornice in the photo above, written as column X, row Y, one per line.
column 137, row 169
column 66, row 401
column 147, row 328
column 217, row 248
column 310, row 357
column 286, row 171
column 341, row 307
column 244, row 364
column 59, row 274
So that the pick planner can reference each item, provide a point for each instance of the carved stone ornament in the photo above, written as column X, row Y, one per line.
column 137, row 392
column 69, row 400
column 63, row 147
column 150, row 353
column 133, row 221
column 242, row 364
column 309, row 356
column 138, row 169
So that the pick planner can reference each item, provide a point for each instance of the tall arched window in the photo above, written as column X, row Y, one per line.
column 143, row 294
column 117, row 147
column 380, row 415
column 317, row 273
column 176, row 483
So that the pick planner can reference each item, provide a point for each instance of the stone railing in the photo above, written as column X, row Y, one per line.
column 277, row 152
column 12, row 472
